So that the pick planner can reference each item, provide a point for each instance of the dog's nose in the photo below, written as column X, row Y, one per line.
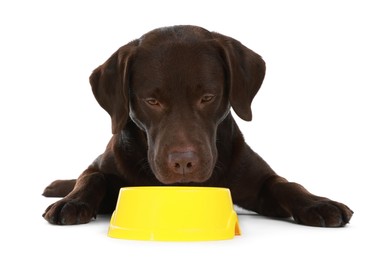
column 183, row 162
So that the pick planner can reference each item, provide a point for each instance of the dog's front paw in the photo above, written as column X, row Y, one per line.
column 69, row 212
column 322, row 212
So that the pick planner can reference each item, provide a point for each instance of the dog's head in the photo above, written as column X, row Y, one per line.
column 177, row 84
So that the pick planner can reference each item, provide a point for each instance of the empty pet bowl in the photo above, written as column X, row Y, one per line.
column 174, row 214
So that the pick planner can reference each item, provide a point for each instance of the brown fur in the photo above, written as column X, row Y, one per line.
column 169, row 96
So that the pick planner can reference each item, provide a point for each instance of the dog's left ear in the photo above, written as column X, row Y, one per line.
column 110, row 86
column 246, row 71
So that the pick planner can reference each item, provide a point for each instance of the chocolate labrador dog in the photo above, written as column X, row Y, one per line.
column 169, row 95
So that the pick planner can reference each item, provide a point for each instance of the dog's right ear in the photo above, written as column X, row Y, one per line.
column 110, row 85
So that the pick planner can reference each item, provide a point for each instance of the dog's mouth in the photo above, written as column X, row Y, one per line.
column 169, row 177
column 179, row 180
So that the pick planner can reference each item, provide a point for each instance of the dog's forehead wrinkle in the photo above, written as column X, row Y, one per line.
column 178, row 70
column 178, row 54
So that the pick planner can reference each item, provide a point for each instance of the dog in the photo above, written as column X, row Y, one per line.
column 170, row 95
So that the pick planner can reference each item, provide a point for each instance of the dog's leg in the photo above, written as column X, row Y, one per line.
column 59, row 188
column 303, row 206
column 269, row 194
column 82, row 203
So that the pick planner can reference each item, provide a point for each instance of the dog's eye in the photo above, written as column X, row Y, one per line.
column 207, row 98
column 152, row 102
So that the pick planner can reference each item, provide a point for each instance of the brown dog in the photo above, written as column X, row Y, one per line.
column 169, row 96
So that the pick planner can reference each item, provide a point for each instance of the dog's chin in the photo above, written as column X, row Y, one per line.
column 175, row 179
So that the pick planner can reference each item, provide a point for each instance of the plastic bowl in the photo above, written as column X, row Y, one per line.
column 174, row 214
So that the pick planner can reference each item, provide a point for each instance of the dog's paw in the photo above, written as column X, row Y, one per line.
column 323, row 212
column 69, row 212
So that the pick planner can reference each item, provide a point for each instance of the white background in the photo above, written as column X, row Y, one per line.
column 318, row 118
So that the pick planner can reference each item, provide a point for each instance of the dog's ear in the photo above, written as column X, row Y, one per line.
column 246, row 71
column 110, row 86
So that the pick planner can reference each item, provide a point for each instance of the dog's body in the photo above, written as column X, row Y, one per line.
column 169, row 96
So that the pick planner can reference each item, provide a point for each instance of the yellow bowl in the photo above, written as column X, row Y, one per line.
column 174, row 214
